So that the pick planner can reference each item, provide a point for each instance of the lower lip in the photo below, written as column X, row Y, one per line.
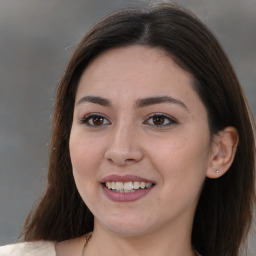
column 125, row 197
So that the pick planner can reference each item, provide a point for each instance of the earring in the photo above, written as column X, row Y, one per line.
column 217, row 171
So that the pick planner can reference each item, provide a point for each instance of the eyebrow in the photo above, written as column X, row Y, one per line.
column 95, row 99
column 140, row 103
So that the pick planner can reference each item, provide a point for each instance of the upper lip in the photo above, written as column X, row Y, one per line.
column 124, row 178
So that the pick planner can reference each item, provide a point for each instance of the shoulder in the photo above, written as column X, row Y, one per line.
column 40, row 248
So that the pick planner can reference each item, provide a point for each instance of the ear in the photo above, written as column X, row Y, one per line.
column 223, row 152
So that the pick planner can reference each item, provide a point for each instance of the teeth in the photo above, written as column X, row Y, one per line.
column 148, row 185
column 119, row 186
column 127, row 186
column 113, row 185
column 142, row 185
column 136, row 184
column 108, row 185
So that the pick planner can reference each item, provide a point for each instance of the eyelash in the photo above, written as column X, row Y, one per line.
column 165, row 118
column 87, row 118
column 170, row 120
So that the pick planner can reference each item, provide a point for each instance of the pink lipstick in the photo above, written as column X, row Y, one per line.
column 126, row 188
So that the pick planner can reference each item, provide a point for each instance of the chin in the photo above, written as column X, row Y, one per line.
column 128, row 226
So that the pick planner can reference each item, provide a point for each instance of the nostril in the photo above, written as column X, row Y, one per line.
column 122, row 157
column 129, row 160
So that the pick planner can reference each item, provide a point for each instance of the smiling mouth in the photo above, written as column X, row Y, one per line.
column 127, row 187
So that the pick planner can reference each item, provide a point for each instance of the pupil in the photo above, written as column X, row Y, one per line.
column 97, row 120
column 158, row 120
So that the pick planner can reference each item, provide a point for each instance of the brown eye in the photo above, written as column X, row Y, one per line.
column 160, row 120
column 95, row 120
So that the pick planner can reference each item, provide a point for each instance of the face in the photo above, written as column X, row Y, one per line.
column 139, row 142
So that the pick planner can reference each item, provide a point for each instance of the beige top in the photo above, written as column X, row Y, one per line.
column 39, row 248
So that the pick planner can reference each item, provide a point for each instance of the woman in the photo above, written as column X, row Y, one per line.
column 152, row 149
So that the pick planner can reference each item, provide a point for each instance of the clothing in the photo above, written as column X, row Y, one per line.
column 38, row 248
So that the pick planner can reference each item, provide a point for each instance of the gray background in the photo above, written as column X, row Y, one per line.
column 36, row 40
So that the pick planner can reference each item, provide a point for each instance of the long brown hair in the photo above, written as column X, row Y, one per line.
column 224, row 211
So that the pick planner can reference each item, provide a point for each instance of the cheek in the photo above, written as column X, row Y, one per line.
column 182, row 160
column 84, row 155
column 85, row 161
column 182, row 168
column 180, row 151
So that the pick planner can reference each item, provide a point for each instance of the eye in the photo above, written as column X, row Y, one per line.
column 94, row 120
column 160, row 120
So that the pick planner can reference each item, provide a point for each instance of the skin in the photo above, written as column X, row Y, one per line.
column 176, row 155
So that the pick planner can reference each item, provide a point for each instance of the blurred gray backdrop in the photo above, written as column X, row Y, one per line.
column 36, row 40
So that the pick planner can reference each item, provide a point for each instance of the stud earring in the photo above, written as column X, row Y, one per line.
column 217, row 171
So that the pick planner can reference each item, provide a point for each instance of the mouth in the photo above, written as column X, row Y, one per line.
column 127, row 187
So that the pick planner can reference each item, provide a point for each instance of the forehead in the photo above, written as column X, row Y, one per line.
column 133, row 67
column 126, row 74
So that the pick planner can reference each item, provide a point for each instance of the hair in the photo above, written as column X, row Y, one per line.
column 225, row 208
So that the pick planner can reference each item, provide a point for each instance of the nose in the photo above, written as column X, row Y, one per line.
column 124, row 148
